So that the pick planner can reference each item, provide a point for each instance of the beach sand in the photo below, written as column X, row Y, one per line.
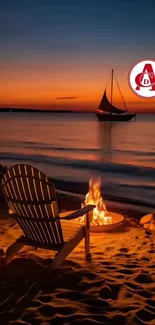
column 116, row 287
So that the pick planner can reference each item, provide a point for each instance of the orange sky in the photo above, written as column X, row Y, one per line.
column 33, row 84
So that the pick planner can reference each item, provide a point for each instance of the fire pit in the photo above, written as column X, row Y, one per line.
column 102, row 220
column 116, row 222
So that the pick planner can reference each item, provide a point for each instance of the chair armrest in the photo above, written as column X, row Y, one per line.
column 80, row 212
column 71, row 216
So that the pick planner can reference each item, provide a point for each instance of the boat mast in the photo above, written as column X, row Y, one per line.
column 121, row 94
column 112, row 77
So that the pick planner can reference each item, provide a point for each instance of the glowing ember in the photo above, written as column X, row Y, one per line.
column 100, row 214
column 10, row 211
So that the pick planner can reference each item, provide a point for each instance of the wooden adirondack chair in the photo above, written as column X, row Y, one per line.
column 32, row 198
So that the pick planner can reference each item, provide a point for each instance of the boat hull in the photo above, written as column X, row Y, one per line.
column 115, row 118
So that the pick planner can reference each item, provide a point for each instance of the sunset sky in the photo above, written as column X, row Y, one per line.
column 57, row 49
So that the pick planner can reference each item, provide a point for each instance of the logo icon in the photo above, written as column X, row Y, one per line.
column 141, row 78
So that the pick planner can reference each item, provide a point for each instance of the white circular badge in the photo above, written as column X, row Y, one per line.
column 141, row 78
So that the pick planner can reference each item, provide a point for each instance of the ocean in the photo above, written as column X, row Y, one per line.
column 73, row 147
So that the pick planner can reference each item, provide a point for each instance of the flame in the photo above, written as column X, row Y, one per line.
column 100, row 214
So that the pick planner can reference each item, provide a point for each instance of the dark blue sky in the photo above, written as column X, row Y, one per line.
column 81, row 25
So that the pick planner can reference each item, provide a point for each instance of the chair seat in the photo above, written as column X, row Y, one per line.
column 70, row 229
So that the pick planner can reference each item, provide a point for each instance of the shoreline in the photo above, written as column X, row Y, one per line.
column 75, row 192
column 68, row 201
column 79, row 190
column 32, row 110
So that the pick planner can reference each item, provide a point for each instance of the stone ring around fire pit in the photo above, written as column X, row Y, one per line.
column 117, row 220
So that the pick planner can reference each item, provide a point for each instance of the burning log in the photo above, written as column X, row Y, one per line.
column 101, row 220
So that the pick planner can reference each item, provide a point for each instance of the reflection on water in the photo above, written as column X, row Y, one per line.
column 127, row 143
column 105, row 134
column 78, row 137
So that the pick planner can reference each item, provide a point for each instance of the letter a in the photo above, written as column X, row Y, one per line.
column 149, row 70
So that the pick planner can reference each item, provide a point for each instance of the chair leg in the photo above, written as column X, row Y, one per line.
column 87, row 237
column 14, row 248
column 87, row 246
column 66, row 250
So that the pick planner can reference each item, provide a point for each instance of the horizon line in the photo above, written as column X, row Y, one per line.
column 27, row 109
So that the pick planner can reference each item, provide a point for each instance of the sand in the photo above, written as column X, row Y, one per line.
column 116, row 287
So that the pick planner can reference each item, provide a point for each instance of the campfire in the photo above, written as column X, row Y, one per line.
column 100, row 214
column 102, row 220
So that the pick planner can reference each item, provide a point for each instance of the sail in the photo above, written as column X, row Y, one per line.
column 106, row 106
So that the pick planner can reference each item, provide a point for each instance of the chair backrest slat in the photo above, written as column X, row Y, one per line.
column 31, row 196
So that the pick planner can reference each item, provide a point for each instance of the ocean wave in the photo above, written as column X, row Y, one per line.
column 116, row 186
column 40, row 146
column 139, row 195
column 103, row 167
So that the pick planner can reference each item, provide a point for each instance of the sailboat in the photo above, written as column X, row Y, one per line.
column 108, row 112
